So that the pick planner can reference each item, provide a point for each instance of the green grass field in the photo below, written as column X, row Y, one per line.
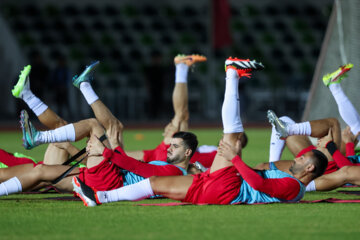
column 26, row 216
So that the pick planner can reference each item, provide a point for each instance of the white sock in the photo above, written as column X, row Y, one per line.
column 61, row 134
column 347, row 111
column 88, row 92
column 231, row 106
column 276, row 144
column 181, row 73
column 133, row 192
column 34, row 103
column 311, row 187
column 303, row 128
column 10, row 186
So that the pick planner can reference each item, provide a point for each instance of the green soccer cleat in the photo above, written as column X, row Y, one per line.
column 279, row 125
column 85, row 76
column 23, row 82
column 338, row 75
column 2, row 165
column 30, row 134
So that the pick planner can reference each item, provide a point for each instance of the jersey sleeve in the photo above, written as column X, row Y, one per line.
column 284, row 188
column 350, row 149
column 143, row 169
column 340, row 160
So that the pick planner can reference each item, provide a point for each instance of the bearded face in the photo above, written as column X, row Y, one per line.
column 176, row 151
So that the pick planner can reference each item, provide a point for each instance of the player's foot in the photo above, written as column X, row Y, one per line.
column 86, row 75
column 189, row 59
column 23, row 82
column 200, row 167
column 30, row 134
column 243, row 67
column 280, row 126
column 86, row 193
column 338, row 75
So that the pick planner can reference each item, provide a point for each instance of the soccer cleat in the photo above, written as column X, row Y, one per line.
column 338, row 75
column 86, row 193
column 200, row 167
column 189, row 59
column 243, row 67
column 86, row 75
column 279, row 125
column 23, row 82
column 2, row 165
column 30, row 134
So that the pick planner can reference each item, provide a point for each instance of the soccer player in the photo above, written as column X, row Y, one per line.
column 301, row 143
column 180, row 105
column 204, row 154
column 111, row 171
column 55, row 153
column 229, row 180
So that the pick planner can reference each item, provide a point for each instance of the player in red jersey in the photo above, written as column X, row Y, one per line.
column 181, row 115
column 228, row 177
column 204, row 155
column 102, row 172
column 300, row 144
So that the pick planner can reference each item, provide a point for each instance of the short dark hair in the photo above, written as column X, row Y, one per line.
column 320, row 162
column 190, row 140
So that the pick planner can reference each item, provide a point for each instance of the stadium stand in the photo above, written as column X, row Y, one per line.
column 286, row 37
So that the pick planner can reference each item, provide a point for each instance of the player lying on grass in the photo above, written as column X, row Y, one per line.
column 229, row 180
column 204, row 154
column 298, row 144
column 108, row 172
column 180, row 102
column 346, row 109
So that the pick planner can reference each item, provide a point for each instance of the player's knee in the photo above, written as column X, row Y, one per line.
column 334, row 122
column 95, row 126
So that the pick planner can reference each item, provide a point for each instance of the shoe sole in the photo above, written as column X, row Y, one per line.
column 19, row 86
column 338, row 75
column 244, row 64
column 276, row 122
column 24, row 122
column 87, row 71
column 193, row 58
column 79, row 193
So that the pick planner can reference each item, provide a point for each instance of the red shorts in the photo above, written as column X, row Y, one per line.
column 219, row 187
column 331, row 167
column 10, row 160
column 102, row 177
column 158, row 154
